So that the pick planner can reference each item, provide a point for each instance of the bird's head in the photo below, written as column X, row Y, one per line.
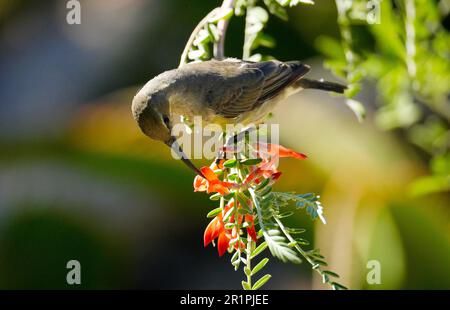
column 152, row 113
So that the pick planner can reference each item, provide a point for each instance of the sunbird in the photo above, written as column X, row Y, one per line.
column 229, row 91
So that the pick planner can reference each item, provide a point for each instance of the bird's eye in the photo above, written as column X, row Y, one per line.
column 166, row 120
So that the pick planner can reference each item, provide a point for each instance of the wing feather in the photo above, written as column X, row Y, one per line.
column 248, row 85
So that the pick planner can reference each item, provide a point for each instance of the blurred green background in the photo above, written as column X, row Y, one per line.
column 78, row 180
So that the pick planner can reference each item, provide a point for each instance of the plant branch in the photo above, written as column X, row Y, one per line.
column 219, row 46
column 289, row 237
column 410, row 37
column 248, row 260
column 258, row 209
column 201, row 24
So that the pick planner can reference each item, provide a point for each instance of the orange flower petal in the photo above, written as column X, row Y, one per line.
column 251, row 228
column 276, row 176
column 199, row 184
column 282, row 151
column 278, row 150
column 213, row 184
column 211, row 231
column 208, row 174
column 218, row 165
column 217, row 187
column 223, row 243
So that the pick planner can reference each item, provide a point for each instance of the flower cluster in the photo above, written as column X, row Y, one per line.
column 243, row 187
column 262, row 169
column 226, row 237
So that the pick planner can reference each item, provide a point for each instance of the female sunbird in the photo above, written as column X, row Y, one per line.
column 221, row 92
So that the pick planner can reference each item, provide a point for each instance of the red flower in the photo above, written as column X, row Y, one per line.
column 267, row 168
column 277, row 150
column 216, row 229
column 251, row 227
column 200, row 184
column 211, row 184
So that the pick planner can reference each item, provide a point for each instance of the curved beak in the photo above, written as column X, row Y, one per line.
column 173, row 144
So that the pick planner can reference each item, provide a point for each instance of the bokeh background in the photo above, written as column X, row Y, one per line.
column 78, row 180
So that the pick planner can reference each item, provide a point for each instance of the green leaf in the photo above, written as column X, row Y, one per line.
column 223, row 14
column 255, row 57
column 296, row 231
column 276, row 9
column 228, row 214
column 283, row 2
column 243, row 202
column 235, row 257
column 213, row 32
column 429, row 185
column 215, row 197
column 196, row 54
column 229, row 226
column 292, row 244
column 280, row 249
column 262, row 184
column 259, row 266
column 240, row 6
column 202, row 37
column 233, row 177
column 321, row 262
column 330, row 273
column 265, row 40
column 266, row 191
column 357, row 108
column 247, row 271
column 302, row 241
column 214, row 212
column 310, row 201
column 257, row 15
column 261, row 281
column 295, row 2
column 251, row 162
column 338, row 286
column 245, row 286
column 258, row 250
column 352, row 90
column 285, row 214
column 230, row 163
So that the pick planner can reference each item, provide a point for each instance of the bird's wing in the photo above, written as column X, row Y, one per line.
column 248, row 85
column 237, row 91
column 278, row 76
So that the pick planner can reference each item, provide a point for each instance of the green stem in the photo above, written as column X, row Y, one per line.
column 258, row 209
column 219, row 46
column 201, row 24
column 297, row 247
column 248, row 38
column 347, row 38
column 410, row 14
column 249, row 260
column 289, row 237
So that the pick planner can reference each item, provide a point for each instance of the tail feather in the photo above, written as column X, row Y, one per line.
column 322, row 85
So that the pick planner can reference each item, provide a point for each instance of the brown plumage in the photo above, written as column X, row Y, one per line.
column 221, row 92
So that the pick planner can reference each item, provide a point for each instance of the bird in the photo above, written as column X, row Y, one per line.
column 221, row 92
